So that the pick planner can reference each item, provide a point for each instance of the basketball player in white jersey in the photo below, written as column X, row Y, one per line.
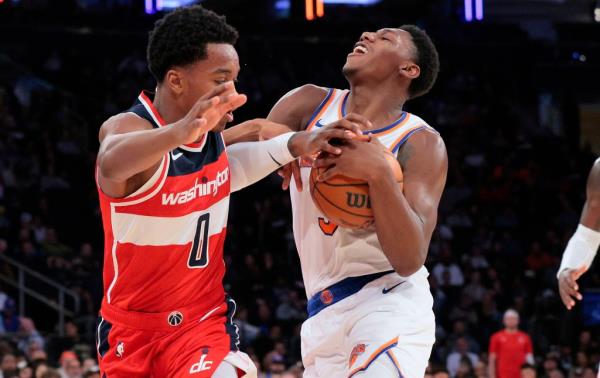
column 370, row 309
column 582, row 247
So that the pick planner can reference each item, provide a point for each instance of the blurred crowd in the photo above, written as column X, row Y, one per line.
column 513, row 197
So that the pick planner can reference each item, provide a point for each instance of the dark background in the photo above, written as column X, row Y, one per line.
column 507, row 103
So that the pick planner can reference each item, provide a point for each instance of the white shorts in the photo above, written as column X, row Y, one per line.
column 346, row 337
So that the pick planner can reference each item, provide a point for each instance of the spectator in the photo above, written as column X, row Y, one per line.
column 528, row 371
column 29, row 338
column 9, row 317
column 447, row 272
column 455, row 358
column 509, row 349
column 8, row 365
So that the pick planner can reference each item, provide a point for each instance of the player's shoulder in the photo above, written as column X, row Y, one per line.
column 596, row 166
column 416, row 121
column 123, row 123
column 310, row 91
column 296, row 106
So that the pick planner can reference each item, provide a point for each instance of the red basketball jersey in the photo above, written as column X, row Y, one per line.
column 164, row 243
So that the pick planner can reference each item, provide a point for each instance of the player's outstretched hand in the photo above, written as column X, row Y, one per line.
column 568, row 287
column 287, row 172
column 207, row 112
column 324, row 139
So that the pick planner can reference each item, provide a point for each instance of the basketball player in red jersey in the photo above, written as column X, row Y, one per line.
column 583, row 246
column 164, row 181
column 370, row 309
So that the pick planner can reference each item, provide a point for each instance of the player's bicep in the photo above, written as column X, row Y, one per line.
column 108, row 136
column 425, row 165
column 295, row 107
column 590, row 217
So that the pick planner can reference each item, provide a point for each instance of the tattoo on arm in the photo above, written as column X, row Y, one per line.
column 405, row 154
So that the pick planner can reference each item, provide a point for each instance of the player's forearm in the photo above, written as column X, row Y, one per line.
column 590, row 216
column 251, row 161
column 254, row 130
column 122, row 156
column 400, row 231
column 244, row 132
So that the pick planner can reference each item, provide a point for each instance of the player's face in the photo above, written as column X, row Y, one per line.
column 220, row 66
column 380, row 55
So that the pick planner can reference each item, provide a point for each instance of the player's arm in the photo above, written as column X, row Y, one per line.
column 130, row 147
column 254, row 130
column 290, row 113
column 583, row 245
column 404, row 220
column 251, row 161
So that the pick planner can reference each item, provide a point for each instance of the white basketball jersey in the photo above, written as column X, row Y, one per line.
column 329, row 253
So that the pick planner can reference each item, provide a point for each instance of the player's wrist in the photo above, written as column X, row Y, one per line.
column 581, row 249
column 297, row 143
column 378, row 172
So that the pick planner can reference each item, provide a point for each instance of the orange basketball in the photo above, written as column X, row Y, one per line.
column 344, row 200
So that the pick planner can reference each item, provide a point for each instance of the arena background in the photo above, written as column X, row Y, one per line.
column 517, row 103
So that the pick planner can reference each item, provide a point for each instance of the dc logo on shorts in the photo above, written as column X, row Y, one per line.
column 175, row 318
column 120, row 349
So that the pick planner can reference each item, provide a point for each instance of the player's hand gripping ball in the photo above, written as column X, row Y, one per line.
column 344, row 200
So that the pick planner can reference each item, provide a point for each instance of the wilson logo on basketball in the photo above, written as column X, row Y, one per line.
column 358, row 200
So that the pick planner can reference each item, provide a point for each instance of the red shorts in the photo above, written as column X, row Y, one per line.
column 175, row 344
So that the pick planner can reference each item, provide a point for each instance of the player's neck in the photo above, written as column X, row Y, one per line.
column 382, row 106
column 511, row 330
column 167, row 107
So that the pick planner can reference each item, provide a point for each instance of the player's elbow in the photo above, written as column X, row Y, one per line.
column 109, row 168
column 408, row 266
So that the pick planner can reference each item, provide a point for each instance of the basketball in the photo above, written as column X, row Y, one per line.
column 344, row 200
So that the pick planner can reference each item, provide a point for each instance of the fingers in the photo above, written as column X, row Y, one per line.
column 220, row 90
column 331, row 172
column 573, row 287
column 324, row 162
column 232, row 101
column 200, row 107
column 568, row 290
column 286, row 173
column 565, row 298
column 360, row 120
column 347, row 125
column 295, row 165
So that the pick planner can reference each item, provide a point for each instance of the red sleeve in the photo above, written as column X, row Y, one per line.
column 528, row 346
column 494, row 344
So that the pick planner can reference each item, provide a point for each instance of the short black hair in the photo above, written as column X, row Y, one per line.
column 426, row 57
column 180, row 38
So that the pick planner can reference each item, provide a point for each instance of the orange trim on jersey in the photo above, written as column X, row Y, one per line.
column 404, row 121
column 404, row 134
column 159, row 181
column 395, row 361
column 374, row 355
column 340, row 108
column 323, row 110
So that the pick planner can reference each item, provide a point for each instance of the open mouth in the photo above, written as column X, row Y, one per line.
column 359, row 49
